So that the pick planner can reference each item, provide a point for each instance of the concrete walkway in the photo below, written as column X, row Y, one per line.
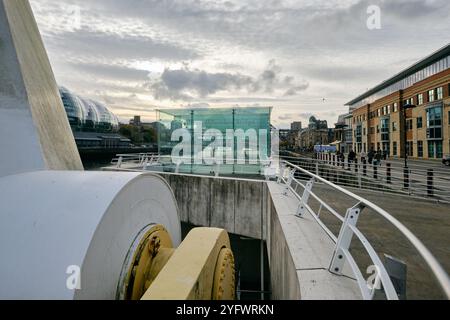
column 300, row 250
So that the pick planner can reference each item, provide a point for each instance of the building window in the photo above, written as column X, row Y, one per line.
column 395, row 149
column 420, row 99
column 440, row 93
column 420, row 149
column 431, row 96
column 419, row 123
column 409, row 125
column 395, row 107
column 434, row 117
column 379, row 112
column 410, row 148
column 378, row 129
column 394, row 126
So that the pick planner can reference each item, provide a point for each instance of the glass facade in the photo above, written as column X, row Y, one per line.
column 434, row 123
column 245, row 134
column 385, row 132
column 408, row 81
column 87, row 115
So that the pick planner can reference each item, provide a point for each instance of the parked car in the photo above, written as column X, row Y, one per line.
column 446, row 160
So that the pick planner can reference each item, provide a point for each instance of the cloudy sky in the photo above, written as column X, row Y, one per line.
column 301, row 57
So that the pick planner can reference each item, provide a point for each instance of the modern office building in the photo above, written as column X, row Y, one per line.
column 409, row 113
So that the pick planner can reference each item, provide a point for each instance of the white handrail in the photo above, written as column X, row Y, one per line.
column 437, row 270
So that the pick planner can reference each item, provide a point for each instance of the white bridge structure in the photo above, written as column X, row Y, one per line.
column 292, row 203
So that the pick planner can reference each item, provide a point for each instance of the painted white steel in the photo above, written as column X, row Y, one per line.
column 51, row 220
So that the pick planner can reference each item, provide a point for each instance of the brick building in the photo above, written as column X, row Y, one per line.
column 409, row 112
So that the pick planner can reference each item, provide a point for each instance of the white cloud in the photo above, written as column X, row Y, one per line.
column 289, row 53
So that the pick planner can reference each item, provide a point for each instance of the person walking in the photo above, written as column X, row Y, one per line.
column 379, row 157
column 371, row 156
column 363, row 156
column 351, row 157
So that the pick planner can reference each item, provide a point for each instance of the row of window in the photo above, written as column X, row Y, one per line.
column 434, row 124
column 409, row 81
column 435, row 150
column 432, row 95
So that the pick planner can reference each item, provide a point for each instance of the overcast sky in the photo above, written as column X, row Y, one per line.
column 301, row 57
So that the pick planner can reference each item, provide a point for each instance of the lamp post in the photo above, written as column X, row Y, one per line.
column 406, row 107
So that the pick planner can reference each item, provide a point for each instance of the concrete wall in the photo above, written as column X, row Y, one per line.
column 34, row 129
column 239, row 206
column 283, row 273
column 299, row 250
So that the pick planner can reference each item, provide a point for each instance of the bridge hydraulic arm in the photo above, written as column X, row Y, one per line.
column 202, row 268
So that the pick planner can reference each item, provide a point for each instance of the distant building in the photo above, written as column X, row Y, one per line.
column 284, row 135
column 317, row 133
column 343, row 133
column 93, row 125
column 296, row 126
column 409, row 113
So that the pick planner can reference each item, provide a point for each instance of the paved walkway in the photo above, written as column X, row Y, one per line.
column 429, row 221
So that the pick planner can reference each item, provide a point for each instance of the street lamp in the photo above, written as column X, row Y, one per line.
column 406, row 107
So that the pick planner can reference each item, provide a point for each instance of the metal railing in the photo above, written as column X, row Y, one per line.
column 349, row 229
column 417, row 180
column 158, row 163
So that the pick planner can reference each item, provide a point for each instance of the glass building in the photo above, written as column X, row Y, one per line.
column 241, row 137
column 87, row 115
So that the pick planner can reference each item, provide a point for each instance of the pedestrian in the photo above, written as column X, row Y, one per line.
column 378, row 157
column 351, row 157
column 371, row 156
column 363, row 157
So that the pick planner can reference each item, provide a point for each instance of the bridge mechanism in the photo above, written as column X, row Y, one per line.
column 70, row 234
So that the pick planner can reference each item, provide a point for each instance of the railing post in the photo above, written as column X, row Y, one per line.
column 119, row 162
column 317, row 169
column 388, row 173
column 406, row 177
column 345, row 239
column 365, row 168
column 301, row 211
column 282, row 170
column 289, row 181
column 334, row 160
column 375, row 172
column 430, row 178
column 356, row 166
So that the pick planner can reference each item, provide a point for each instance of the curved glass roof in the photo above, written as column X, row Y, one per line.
column 88, row 115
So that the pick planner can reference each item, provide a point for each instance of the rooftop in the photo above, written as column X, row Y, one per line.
column 436, row 56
